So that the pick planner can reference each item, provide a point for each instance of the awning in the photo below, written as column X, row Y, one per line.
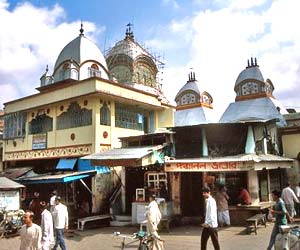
column 128, row 157
column 242, row 162
column 54, row 178
column 66, row 164
column 13, row 173
column 6, row 183
column 85, row 165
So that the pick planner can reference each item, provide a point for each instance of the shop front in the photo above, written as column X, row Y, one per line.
column 73, row 179
column 259, row 174
column 140, row 171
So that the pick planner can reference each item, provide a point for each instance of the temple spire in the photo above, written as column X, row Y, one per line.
column 129, row 31
column 81, row 30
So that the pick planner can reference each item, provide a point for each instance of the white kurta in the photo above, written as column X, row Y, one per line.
column 47, row 229
column 153, row 215
column 31, row 237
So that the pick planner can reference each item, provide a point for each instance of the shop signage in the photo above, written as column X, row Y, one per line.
column 9, row 200
column 39, row 141
column 207, row 166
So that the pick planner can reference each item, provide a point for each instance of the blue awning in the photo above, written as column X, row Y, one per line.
column 55, row 178
column 66, row 164
column 85, row 165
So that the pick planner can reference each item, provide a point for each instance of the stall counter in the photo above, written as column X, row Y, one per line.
column 139, row 209
column 240, row 213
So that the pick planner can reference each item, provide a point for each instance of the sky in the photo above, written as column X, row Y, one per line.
column 213, row 38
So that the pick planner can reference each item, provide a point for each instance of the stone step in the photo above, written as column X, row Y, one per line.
column 123, row 218
column 115, row 223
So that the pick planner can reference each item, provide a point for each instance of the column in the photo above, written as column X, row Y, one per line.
column 250, row 143
column 204, row 143
column 253, row 186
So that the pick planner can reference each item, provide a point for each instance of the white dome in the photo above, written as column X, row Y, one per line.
column 81, row 50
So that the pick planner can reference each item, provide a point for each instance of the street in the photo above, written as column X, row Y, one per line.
column 179, row 238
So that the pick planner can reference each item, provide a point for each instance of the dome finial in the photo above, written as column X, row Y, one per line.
column 47, row 69
column 192, row 76
column 81, row 29
column 129, row 31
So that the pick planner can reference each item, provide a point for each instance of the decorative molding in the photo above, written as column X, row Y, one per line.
column 194, row 105
column 60, row 152
column 104, row 147
column 253, row 96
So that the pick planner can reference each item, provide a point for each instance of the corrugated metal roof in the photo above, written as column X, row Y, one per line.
column 53, row 176
column 237, row 158
column 13, row 173
column 250, row 110
column 123, row 153
column 6, row 183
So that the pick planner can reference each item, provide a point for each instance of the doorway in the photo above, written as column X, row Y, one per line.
column 192, row 201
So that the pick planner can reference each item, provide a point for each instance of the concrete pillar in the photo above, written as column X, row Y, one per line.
column 96, row 126
column 123, row 191
column 253, row 186
column 250, row 143
column 265, row 147
column 175, row 187
column 204, row 143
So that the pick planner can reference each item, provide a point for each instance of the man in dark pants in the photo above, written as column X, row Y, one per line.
column 210, row 226
column 61, row 222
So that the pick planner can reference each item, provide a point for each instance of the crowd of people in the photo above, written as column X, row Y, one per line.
column 40, row 224
column 217, row 213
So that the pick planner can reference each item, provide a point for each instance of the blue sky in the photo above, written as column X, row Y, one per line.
column 214, row 37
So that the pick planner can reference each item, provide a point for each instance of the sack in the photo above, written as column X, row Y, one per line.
column 270, row 215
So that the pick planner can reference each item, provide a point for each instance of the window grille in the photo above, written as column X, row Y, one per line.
column 94, row 72
column 74, row 117
column 128, row 117
column 41, row 124
column 14, row 125
column 105, row 115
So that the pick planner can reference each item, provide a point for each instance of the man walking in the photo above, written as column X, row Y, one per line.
column 52, row 200
column 289, row 198
column 61, row 222
column 222, row 205
column 210, row 226
column 280, row 213
column 47, row 227
column 297, row 192
column 30, row 233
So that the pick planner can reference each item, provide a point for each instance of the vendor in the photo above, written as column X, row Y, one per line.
column 244, row 196
column 163, row 193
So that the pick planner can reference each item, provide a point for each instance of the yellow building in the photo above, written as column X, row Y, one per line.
column 82, row 108
column 290, row 137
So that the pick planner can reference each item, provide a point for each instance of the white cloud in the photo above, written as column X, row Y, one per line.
column 221, row 41
column 30, row 38
column 172, row 3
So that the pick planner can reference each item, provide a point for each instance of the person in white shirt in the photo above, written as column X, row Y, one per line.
column 153, row 216
column 210, row 225
column 297, row 192
column 47, row 227
column 61, row 222
column 31, row 234
column 289, row 198
column 52, row 200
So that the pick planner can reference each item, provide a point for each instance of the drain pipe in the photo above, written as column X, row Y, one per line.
column 204, row 143
column 250, row 143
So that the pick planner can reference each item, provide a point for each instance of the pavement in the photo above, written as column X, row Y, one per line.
column 179, row 238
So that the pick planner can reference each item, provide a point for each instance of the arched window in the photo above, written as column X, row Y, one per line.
column 94, row 71
column 64, row 72
column 105, row 115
